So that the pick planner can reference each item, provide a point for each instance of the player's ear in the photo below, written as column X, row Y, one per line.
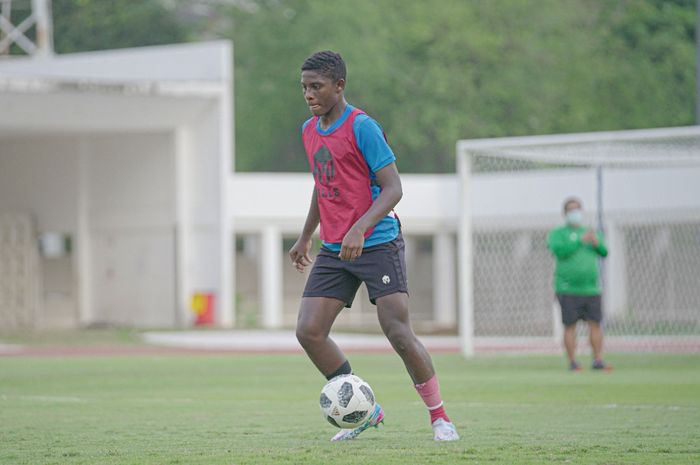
column 340, row 84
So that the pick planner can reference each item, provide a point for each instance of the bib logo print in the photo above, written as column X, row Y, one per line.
column 324, row 172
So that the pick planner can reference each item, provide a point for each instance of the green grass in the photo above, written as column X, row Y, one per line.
column 262, row 409
column 73, row 337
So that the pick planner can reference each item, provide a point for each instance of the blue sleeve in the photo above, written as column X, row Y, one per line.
column 306, row 123
column 371, row 142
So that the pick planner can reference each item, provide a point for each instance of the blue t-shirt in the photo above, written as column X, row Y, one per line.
column 371, row 142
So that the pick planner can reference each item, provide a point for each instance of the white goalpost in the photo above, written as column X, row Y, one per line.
column 641, row 188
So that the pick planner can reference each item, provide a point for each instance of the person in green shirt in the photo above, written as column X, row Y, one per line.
column 576, row 249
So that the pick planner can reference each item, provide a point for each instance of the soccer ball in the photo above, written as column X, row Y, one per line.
column 346, row 401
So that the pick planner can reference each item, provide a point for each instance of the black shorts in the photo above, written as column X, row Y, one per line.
column 580, row 307
column 381, row 267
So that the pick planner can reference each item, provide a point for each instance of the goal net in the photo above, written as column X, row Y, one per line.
column 640, row 188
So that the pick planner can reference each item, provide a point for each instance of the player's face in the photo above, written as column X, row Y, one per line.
column 321, row 93
column 573, row 205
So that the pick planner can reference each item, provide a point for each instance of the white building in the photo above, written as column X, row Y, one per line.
column 128, row 154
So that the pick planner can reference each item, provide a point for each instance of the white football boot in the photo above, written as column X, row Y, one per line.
column 376, row 417
column 444, row 431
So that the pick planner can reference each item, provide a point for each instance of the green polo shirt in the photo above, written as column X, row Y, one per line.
column 576, row 270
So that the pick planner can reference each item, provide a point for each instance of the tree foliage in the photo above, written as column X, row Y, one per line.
column 83, row 25
column 431, row 73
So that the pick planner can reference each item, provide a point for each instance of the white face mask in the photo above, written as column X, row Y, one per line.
column 574, row 217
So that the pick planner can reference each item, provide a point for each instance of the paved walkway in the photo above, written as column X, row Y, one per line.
column 284, row 341
column 7, row 349
column 281, row 341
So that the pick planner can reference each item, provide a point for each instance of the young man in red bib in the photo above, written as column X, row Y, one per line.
column 356, row 188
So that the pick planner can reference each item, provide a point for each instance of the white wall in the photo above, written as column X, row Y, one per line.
column 149, row 135
column 430, row 202
column 131, row 216
column 539, row 195
column 39, row 176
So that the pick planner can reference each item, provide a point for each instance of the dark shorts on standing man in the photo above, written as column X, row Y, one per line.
column 381, row 267
column 580, row 307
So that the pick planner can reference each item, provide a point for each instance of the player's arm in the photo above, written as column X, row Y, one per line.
column 563, row 244
column 595, row 241
column 299, row 253
column 600, row 247
column 391, row 192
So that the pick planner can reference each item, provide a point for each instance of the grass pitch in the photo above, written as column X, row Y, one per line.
column 262, row 409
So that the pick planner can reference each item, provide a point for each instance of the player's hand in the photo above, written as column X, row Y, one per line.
column 299, row 253
column 352, row 245
column 590, row 238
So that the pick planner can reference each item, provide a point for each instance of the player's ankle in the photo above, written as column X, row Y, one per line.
column 437, row 413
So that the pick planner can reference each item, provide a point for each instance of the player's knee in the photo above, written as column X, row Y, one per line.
column 308, row 335
column 302, row 335
column 401, row 337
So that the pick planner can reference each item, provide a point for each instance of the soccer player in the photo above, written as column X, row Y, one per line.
column 356, row 188
column 576, row 249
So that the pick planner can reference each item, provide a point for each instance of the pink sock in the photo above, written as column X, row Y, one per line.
column 430, row 393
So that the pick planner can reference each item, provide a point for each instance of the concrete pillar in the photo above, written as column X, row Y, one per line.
column 251, row 246
column 557, row 323
column 83, row 244
column 183, row 234
column 271, row 277
column 410, row 254
column 227, row 283
column 444, row 280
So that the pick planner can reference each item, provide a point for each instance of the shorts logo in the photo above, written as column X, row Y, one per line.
column 386, row 279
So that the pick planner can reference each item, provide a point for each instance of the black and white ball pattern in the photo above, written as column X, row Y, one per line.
column 346, row 401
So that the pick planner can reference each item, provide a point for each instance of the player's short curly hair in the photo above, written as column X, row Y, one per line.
column 569, row 201
column 327, row 63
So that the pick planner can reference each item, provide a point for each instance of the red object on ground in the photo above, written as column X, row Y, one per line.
column 203, row 308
